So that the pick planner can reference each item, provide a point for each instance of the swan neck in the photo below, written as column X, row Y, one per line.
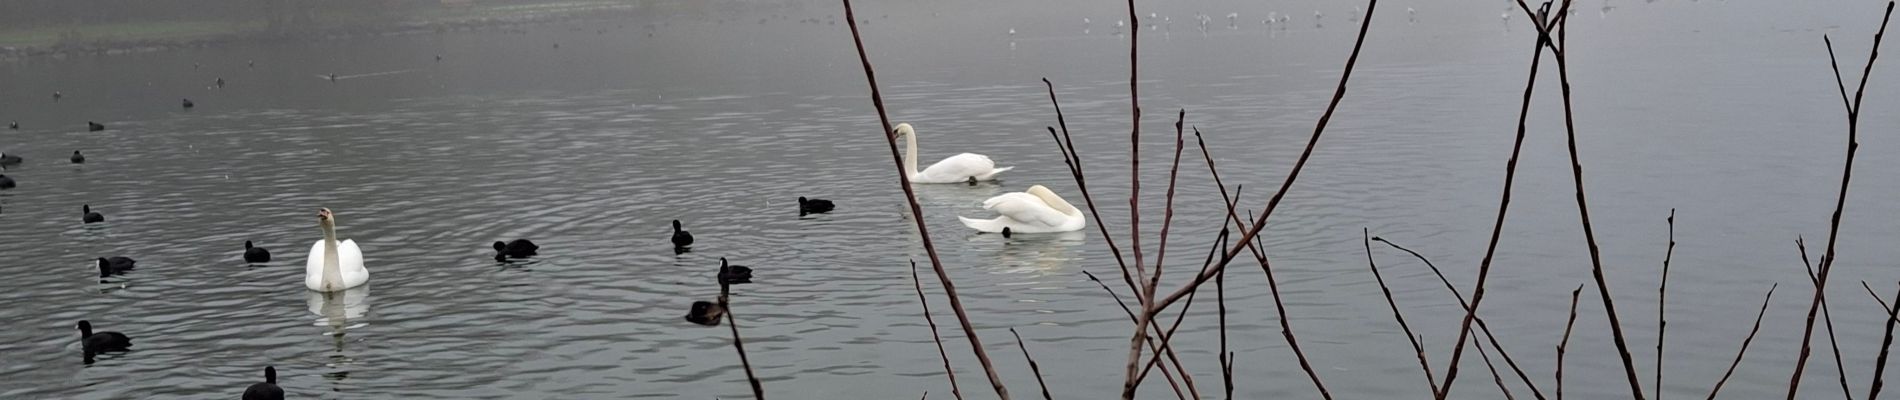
column 332, row 268
column 1059, row 204
column 910, row 152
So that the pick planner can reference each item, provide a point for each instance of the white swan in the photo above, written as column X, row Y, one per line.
column 966, row 167
column 333, row 266
column 1036, row 210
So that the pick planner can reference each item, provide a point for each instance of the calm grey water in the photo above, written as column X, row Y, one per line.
column 1724, row 111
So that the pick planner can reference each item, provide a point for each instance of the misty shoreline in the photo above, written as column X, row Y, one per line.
column 113, row 46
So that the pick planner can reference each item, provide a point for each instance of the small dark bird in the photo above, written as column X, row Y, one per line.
column 438, row 57
column 518, row 248
column 89, row 216
column 253, row 254
column 332, row 77
column 102, row 341
column 7, row 183
column 78, row 158
column 94, row 126
column 1005, row 232
column 187, row 103
column 814, row 206
column 220, row 82
column 10, row 160
column 733, row 274
column 681, row 238
column 557, row 45
column 250, row 64
column 266, row 390
column 57, row 95
column 15, row 125
column 114, row 266
column 705, row 313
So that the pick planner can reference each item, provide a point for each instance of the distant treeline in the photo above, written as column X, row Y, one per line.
column 271, row 15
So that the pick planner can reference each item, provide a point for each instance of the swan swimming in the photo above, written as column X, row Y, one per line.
column 333, row 266
column 1036, row 210
column 966, row 167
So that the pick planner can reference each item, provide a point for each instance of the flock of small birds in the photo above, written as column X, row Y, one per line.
column 108, row 342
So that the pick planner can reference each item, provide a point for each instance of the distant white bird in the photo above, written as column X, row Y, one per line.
column 1120, row 24
column 1012, row 31
column 1085, row 21
column 1411, row 14
column 966, row 167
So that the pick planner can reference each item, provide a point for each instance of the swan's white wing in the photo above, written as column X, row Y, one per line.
column 959, row 168
column 1026, row 208
column 350, row 258
column 313, row 267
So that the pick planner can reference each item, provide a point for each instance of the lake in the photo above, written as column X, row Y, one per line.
column 1724, row 111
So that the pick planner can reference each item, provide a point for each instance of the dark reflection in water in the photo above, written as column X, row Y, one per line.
column 1722, row 110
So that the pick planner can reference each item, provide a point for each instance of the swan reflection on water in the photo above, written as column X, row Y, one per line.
column 337, row 310
column 1038, row 253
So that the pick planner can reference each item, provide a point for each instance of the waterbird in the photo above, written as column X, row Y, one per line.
column 333, row 266
column 518, row 248
column 115, row 265
column 77, row 158
column 733, row 274
column 94, row 126
column 57, row 95
column 250, row 64
column 220, row 82
column 705, row 313
column 10, row 160
column 1006, row 232
column 681, row 238
column 101, row 341
column 960, row 168
column 1037, row 210
column 254, row 254
column 187, row 103
column 7, row 182
column 813, row 206
column 266, row 390
column 15, row 125
column 88, row 216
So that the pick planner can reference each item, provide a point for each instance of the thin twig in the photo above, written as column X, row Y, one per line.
column 1840, row 203
column 934, row 336
column 1293, row 175
column 1827, row 317
column 917, row 210
column 1131, row 318
column 1565, row 343
column 1886, row 343
column 1497, row 227
column 725, row 291
column 1745, row 342
column 1589, row 231
column 1662, row 301
column 1273, row 285
column 1423, row 363
column 1033, row 367
column 1220, row 298
column 1482, row 326
column 1495, row 378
